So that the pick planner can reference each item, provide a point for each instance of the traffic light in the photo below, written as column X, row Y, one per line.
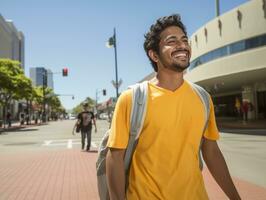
column 104, row 92
column 65, row 71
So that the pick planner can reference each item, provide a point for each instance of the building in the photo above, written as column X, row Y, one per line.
column 12, row 42
column 229, row 60
column 40, row 76
column 11, row 47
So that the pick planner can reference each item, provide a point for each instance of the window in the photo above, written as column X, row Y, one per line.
column 229, row 49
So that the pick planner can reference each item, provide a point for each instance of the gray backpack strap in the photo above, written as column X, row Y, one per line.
column 205, row 99
column 138, row 113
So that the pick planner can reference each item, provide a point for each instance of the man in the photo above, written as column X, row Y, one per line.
column 85, row 120
column 165, row 164
column 8, row 118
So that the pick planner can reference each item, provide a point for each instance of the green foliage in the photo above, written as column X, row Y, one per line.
column 13, row 83
column 79, row 107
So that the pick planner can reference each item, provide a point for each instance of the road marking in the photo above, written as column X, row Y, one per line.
column 47, row 142
column 93, row 144
column 69, row 144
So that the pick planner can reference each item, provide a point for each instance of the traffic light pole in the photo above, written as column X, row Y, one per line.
column 44, row 79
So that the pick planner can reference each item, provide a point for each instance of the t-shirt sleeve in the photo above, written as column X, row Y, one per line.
column 211, row 131
column 120, row 127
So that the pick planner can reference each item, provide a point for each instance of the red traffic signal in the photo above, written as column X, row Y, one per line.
column 65, row 71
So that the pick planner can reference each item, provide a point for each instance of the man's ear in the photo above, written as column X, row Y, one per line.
column 153, row 55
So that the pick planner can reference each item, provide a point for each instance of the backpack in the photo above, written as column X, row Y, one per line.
column 138, row 113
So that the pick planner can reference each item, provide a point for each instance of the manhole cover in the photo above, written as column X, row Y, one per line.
column 20, row 143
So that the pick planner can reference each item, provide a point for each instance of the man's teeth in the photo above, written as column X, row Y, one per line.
column 180, row 55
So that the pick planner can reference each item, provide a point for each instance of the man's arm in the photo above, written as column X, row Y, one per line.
column 77, row 122
column 216, row 164
column 94, row 122
column 115, row 173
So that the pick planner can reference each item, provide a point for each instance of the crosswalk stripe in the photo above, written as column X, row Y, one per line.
column 69, row 144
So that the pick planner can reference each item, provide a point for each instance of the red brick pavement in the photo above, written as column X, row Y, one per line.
column 70, row 174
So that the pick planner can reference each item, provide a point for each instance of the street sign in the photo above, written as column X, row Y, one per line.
column 118, row 84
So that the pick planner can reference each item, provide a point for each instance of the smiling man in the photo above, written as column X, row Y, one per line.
column 165, row 164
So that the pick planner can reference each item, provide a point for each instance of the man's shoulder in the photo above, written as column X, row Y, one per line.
column 125, row 96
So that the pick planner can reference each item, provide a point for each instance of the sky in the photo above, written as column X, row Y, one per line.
column 73, row 34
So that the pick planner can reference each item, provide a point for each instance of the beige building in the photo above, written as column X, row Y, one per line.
column 229, row 60
column 12, row 41
column 12, row 47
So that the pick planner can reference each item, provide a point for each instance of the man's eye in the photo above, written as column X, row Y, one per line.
column 171, row 41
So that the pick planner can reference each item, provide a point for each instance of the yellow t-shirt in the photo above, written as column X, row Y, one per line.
column 165, row 163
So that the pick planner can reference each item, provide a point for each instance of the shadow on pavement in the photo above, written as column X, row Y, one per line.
column 22, row 130
column 251, row 127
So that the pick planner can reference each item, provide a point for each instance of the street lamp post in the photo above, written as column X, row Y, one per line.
column 112, row 43
column 116, row 70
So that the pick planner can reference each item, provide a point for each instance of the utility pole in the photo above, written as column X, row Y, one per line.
column 116, row 70
column 44, row 79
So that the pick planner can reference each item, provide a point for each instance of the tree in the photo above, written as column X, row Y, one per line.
column 79, row 107
column 13, row 83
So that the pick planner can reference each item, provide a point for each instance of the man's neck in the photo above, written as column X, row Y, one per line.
column 168, row 79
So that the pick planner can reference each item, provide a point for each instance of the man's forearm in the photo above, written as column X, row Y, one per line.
column 219, row 170
column 115, row 173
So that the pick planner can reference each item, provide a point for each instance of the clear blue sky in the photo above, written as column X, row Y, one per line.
column 73, row 34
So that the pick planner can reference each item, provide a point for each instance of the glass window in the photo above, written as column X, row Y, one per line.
column 252, row 43
column 263, row 40
column 237, row 47
column 229, row 49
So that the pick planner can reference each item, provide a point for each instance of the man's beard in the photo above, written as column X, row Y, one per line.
column 177, row 67
column 174, row 66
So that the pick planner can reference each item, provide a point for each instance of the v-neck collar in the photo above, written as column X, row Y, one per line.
column 167, row 91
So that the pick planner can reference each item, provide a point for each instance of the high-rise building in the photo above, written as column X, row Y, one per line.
column 11, row 47
column 40, row 76
column 50, row 79
column 12, row 41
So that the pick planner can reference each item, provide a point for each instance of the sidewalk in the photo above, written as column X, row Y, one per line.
column 71, row 175
column 16, row 126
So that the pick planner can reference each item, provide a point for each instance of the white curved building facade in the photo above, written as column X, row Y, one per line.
column 229, row 59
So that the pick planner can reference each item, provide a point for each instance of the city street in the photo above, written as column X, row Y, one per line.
column 45, row 162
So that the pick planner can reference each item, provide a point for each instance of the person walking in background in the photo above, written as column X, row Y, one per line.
column 84, row 121
column 8, row 118
column 22, row 118
column 245, row 108
column 165, row 164
column 238, row 108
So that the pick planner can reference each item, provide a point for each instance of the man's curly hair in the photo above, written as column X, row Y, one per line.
column 152, row 38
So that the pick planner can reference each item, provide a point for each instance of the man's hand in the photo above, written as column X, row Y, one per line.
column 95, row 129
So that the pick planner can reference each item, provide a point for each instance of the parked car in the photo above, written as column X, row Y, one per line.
column 103, row 116
column 72, row 117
